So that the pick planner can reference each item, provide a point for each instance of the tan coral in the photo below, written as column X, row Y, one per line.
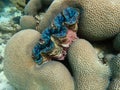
column 89, row 73
column 99, row 19
column 32, row 7
column 22, row 71
column 114, row 62
column 28, row 22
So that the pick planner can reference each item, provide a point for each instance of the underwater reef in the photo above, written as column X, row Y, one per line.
column 9, row 25
column 21, row 4
column 74, row 46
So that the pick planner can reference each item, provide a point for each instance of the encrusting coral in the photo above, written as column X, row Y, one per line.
column 25, row 74
column 114, row 63
column 100, row 19
column 88, row 72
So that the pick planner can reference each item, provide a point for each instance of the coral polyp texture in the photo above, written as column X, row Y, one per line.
column 24, row 74
column 56, row 39
column 88, row 72
column 100, row 19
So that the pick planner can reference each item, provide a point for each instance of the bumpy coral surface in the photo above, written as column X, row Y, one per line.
column 28, row 22
column 24, row 74
column 100, row 19
column 88, row 72
column 55, row 40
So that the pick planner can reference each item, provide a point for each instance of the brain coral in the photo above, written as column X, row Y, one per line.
column 22, row 71
column 100, row 19
column 89, row 72
column 114, row 62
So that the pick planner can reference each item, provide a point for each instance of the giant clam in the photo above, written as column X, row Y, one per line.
column 56, row 39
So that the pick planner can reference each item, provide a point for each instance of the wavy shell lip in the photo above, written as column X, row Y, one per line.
column 65, row 45
column 58, row 54
column 41, row 41
column 61, row 53
column 60, row 57
column 58, row 21
column 70, row 37
column 71, row 15
column 56, row 39
column 60, row 33
column 73, row 27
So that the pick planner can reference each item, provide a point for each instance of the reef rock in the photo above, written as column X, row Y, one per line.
column 99, row 19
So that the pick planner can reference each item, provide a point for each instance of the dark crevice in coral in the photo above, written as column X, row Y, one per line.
column 45, row 5
column 67, row 64
column 16, row 20
column 108, row 48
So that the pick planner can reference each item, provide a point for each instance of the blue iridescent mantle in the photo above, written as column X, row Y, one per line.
column 68, row 16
